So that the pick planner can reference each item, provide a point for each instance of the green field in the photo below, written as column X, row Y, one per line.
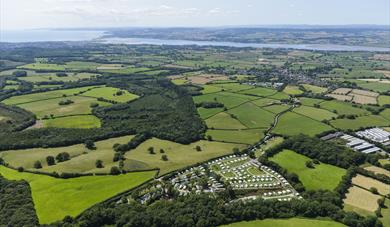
column 276, row 108
column 49, row 107
column 293, row 124
column 109, row 93
column 179, row 155
column 364, row 121
column 259, row 91
column 79, row 121
column 309, row 101
column 279, row 95
column 208, row 112
column 265, row 102
column 291, row 222
column 315, row 113
column 233, row 87
column 248, row 136
column 82, row 160
column 210, row 89
column 323, row 176
column 386, row 213
column 383, row 100
column 45, row 95
column 342, row 108
column 253, row 116
column 43, row 66
column 292, row 90
column 314, row 89
column 223, row 121
column 56, row 198
column 228, row 99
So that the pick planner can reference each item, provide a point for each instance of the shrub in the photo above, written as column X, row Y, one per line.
column 37, row 165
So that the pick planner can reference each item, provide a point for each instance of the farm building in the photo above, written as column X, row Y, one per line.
column 375, row 134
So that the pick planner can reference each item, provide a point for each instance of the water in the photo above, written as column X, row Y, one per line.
column 322, row 47
column 41, row 35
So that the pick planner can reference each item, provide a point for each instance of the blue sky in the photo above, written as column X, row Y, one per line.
column 22, row 14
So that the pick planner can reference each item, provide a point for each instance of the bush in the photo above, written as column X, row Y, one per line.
column 99, row 164
column 37, row 165
column 50, row 160
column 115, row 170
column 151, row 150
column 198, row 148
column 164, row 157
column 62, row 157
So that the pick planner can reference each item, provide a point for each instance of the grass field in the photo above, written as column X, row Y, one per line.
column 383, row 100
column 55, row 198
column 223, row 121
column 323, row 176
column 386, row 213
column 253, row 116
column 309, row 101
column 367, row 183
column 265, row 102
column 43, row 66
column 361, row 201
column 82, row 161
column 342, row 108
column 276, row 108
column 249, row 136
column 80, row 121
column 386, row 114
column 314, row 89
column 315, row 113
column 279, row 95
column 210, row 89
column 292, row 90
column 228, row 99
column 290, row 222
column 110, row 94
column 293, row 124
column 364, row 121
column 208, row 112
column 260, row 91
column 80, row 105
column 179, row 155
column 44, row 95
column 233, row 87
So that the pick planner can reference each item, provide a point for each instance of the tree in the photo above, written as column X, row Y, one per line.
column 164, row 157
column 198, row 148
column 99, row 164
column 115, row 170
column 209, row 138
column 50, row 160
column 90, row 145
column 236, row 150
column 162, row 151
column 151, row 150
column 374, row 190
column 20, row 169
column 62, row 157
column 37, row 165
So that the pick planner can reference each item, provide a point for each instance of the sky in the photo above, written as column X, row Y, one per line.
column 28, row 14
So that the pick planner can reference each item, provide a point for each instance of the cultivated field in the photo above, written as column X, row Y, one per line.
column 367, row 183
column 314, row 89
column 361, row 201
column 323, row 176
column 56, row 198
column 378, row 170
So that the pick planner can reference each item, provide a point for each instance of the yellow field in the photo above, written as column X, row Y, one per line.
column 367, row 183
column 360, row 199
column 378, row 170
